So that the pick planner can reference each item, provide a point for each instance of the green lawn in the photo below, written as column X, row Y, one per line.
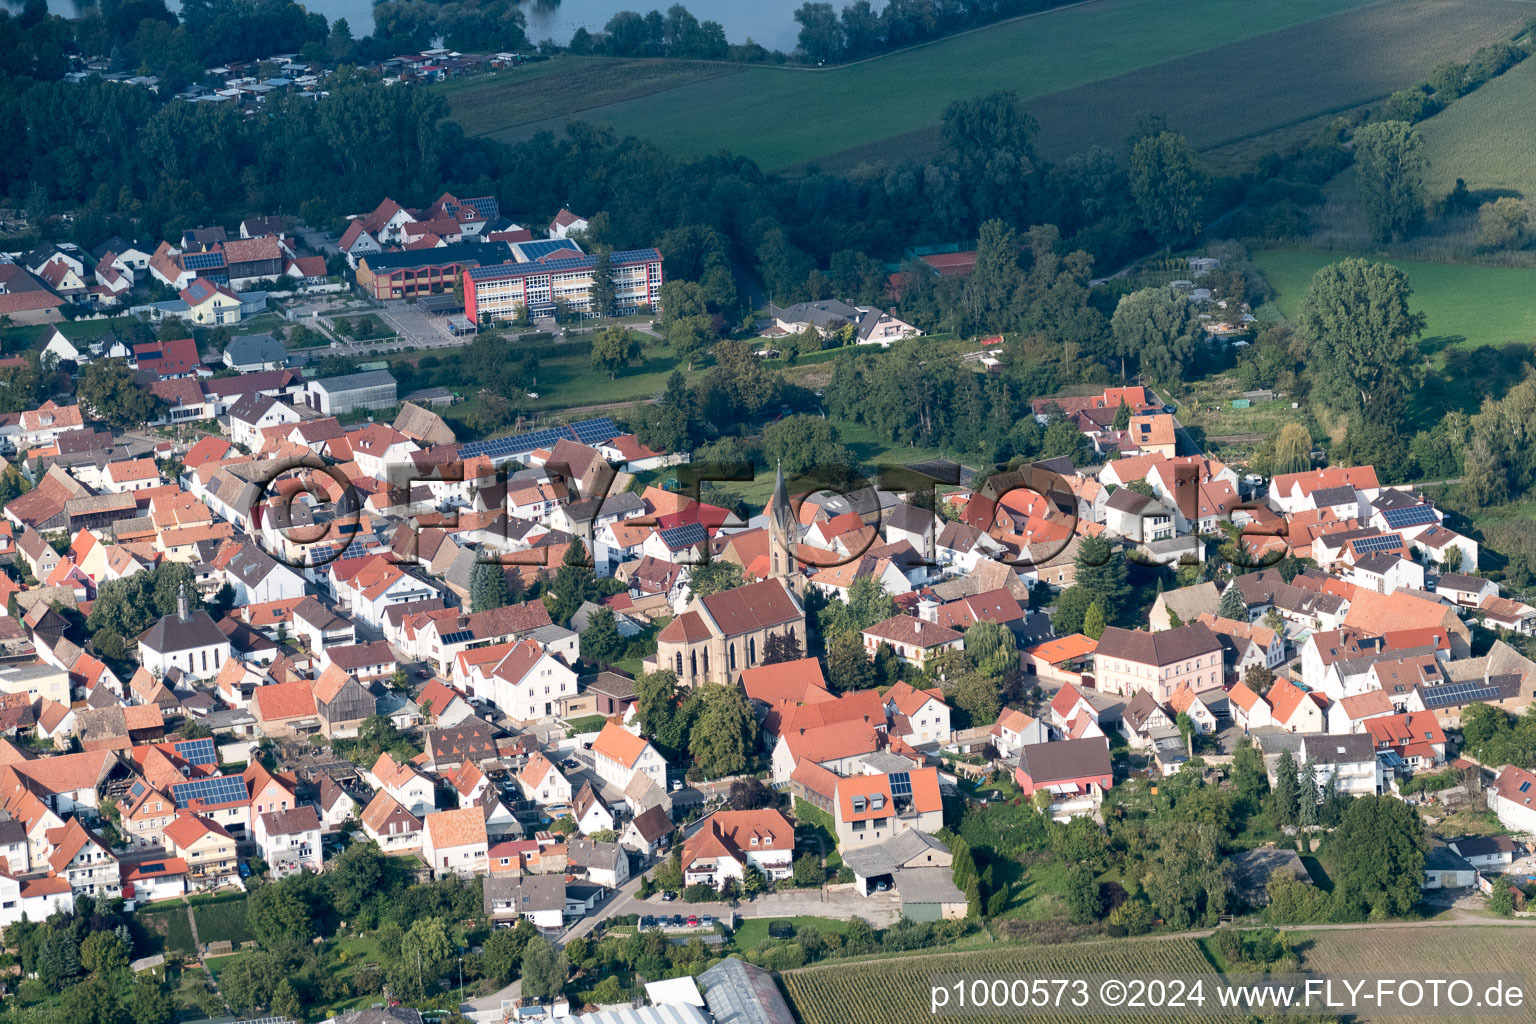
column 1477, row 138
column 223, row 920
column 1468, row 305
column 1481, row 321
column 754, row 931
column 786, row 117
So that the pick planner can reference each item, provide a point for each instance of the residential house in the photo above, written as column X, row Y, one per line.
column 731, row 841
column 455, row 841
column 1127, row 661
column 619, row 755
column 1076, row 772
column 290, row 840
column 206, row 846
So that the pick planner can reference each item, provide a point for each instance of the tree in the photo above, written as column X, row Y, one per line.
column 1233, row 605
column 601, row 640
column 1071, row 610
column 1286, row 789
column 661, row 720
column 151, row 1004
column 1101, row 572
column 1306, row 795
column 1167, row 187
column 808, row 870
column 1093, row 621
column 714, row 576
column 781, row 647
column 1160, row 328
column 821, row 34
column 752, row 880
column 848, row 667
column 488, row 587
column 604, row 296
column 425, row 953
column 104, row 953
column 574, row 582
column 992, row 648
column 354, row 876
column 749, row 794
column 1390, row 159
column 724, row 732
column 1248, row 774
column 803, row 444
column 976, row 696
column 1378, row 853
column 1293, row 450
column 501, row 954
column 614, row 348
column 1503, row 223
column 1083, row 902
column 1259, row 678
column 1360, row 337
column 278, row 918
column 544, row 969
column 990, row 140
column 108, row 392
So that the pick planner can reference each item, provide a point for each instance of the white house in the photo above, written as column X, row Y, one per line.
column 542, row 782
column 729, row 841
column 529, row 683
column 1513, row 798
column 455, row 842
column 619, row 755
column 290, row 840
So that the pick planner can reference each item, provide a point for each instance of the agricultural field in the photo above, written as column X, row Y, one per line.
column 785, row 117
column 1406, row 950
column 1478, row 138
column 1466, row 305
column 223, row 920
column 1086, row 71
column 896, row 991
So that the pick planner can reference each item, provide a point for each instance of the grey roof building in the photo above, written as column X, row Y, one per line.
column 372, row 389
column 250, row 352
column 741, row 993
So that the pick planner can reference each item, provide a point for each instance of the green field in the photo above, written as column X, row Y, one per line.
column 1465, row 305
column 223, row 920
column 1088, row 70
column 896, row 991
column 754, row 931
column 1486, row 137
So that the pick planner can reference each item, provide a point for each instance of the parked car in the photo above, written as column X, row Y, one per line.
column 648, row 921
column 668, row 896
column 882, row 886
column 707, row 921
column 570, row 762
column 693, row 920
column 677, row 920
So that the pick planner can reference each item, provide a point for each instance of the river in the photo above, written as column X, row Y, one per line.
column 769, row 22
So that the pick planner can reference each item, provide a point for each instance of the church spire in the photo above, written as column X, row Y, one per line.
column 782, row 532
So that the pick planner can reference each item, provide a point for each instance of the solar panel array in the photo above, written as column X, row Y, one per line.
column 485, row 206
column 686, row 536
column 198, row 752
column 356, row 549
column 202, row 260
column 1386, row 542
column 220, row 789
column 901, row 784
column 135, row 790
column 1413, row 515
column 1458, row 693
column 458, row 637
column 587, row 432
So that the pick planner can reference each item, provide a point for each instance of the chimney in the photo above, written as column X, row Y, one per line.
column 183, row 612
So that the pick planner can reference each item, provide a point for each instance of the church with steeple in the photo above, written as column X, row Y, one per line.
column 784, row 537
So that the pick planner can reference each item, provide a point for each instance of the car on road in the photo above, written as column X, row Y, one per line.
column 245, row 870
column 648, row 921
column 668, row 896
column 693, row 920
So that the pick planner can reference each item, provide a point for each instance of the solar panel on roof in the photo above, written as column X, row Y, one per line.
column 135, row 789
column 595, row 431
column 458, row 637
column 198, row 752
column 684, row 536
column 1458, row 693
column 1413, row 515
column 901, row 784
column 202, row 260
column 220, row 789
column 1387, row 542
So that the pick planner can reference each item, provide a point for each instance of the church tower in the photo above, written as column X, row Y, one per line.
column 783, row 532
